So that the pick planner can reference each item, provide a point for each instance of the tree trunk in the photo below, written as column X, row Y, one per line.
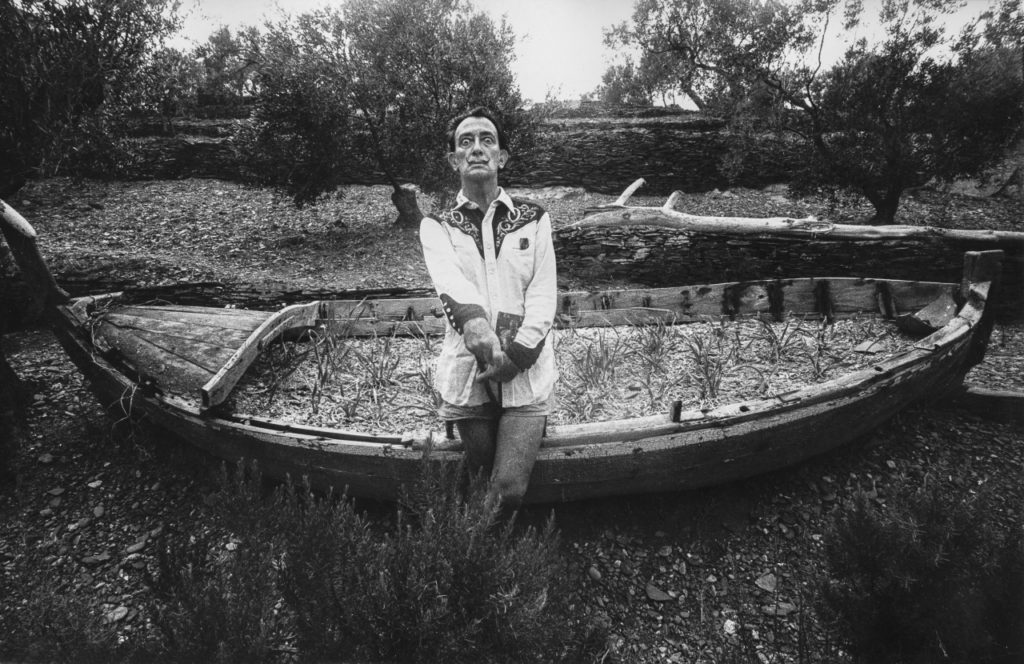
column 885, row 206
column 404, row 199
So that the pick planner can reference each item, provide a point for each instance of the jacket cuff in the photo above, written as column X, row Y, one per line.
column 523, row 356
column 458, row 314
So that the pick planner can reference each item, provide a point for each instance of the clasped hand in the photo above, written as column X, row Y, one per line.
column 483, row 343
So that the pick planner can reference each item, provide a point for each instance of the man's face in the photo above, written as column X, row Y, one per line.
column 477, row 156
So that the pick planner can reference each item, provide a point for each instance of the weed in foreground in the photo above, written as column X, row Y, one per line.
column 55, row 624
column 308, row 576
column 930, row 578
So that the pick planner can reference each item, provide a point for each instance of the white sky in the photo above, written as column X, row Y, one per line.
column 561, row 41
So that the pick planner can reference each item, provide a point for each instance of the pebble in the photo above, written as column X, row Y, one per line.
column 656, row 594
column 46, row 458
column 56, row 491
column 116, row 614
column 138, row 546
column 778, row 609
column 98, row 511
column 594, row 573
column 767, row 582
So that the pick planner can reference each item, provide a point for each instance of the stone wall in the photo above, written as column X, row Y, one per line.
column 602, row 155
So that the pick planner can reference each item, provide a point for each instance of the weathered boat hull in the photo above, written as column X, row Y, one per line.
column 685, row 450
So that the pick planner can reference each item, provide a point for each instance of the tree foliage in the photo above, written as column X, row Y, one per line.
column 228, row 66
column 888, row 116
column 378, row 81
column 68, row 70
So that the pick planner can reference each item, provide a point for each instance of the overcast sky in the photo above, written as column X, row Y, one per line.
column 560, row 41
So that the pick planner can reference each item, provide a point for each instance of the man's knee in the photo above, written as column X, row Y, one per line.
column 510, row 489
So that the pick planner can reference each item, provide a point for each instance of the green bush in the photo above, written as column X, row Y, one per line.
column 930, row 578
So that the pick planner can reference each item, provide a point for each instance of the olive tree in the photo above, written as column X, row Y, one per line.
column 68, row 70
column 371, row 84
column 888, row 116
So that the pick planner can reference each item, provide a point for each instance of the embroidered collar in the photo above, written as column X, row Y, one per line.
column 461, row 201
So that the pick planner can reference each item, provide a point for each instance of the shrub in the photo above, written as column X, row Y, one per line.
column 307, row 574
column 54, row 623
column 931, row 578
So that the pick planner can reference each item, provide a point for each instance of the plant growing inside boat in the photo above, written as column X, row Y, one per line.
column 652, row 344
column 378, row 360
column 329, row 352
column 780, row 341
column 710, row 352
column 819, row 349
column 594, row 366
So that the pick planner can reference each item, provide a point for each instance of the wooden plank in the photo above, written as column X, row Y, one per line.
column 236, row 319
column 934, row 316
column 208, row 356
column 215, row 335
column 416, row 308
column 989, row 403
column 169, row 371
column 294, row 317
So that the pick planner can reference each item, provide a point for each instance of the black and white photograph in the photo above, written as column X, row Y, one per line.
column 512, row 331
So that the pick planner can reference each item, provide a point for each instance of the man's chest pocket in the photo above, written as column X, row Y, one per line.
column 519, row 251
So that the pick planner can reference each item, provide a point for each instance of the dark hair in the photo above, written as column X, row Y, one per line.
column 478, row 112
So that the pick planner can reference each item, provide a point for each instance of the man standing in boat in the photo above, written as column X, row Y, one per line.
column 493, row 265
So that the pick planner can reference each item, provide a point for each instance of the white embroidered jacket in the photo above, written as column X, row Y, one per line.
column 499, row 264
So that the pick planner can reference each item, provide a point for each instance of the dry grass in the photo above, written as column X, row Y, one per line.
column 384, row 384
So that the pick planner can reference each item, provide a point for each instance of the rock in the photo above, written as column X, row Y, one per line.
column 730, row 627
column 57, row 491
column 594, row 573
column 46, row 458
column 665, row 551
column 138, row 546
column 115, row 615
column 767, row 582
column 778, row 609
column 98, row 511
column 656, row 594
column 95, row 484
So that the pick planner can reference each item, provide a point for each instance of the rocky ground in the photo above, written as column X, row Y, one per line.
column 678, row 577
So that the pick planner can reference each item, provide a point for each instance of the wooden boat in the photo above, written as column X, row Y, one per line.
column 142, row 358
column 657, row 246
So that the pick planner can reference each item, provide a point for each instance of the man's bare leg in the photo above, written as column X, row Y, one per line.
column 519, row 439
column 479, row 437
